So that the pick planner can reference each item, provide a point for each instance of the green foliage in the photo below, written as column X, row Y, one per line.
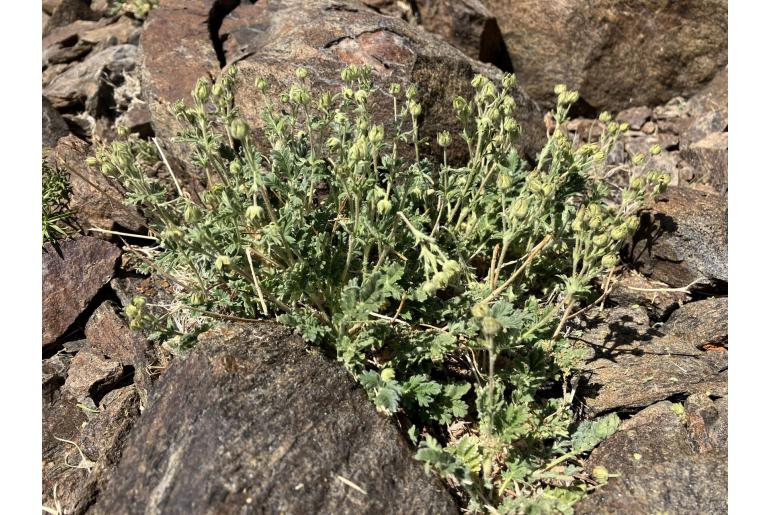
column 444, row 289
column 139, row 9
column 55, row 198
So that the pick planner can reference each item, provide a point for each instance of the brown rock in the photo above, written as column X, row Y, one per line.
column 708, row 157
column 633, row 288
column 95, row 200
column 615, row 54
column 249, row 415
column 102, row 438
column 54, row 126
column 83, row 85
column 682, row 238
column 666, row 463
column 707, row 111
column 323, row 36
column 465, row 24
column 72, row 274
column 634, row 365
column 635, row 116
column 68, row 11
column 91, row 374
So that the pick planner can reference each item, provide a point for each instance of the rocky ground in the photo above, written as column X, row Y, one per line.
column 127, row 428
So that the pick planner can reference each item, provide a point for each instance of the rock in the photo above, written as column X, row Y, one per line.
column 323, row 36
column 634, row 366
column 708, row 157
column 629, row 290
column 54, row 126
column 91, row 375
column 107, row 333
column 616, row 55
column 682, row 238
column 95, row 200
column 73, row 273
column 68, row 11
column 252, row 421
column 707, row 111
column 137, row 119
column 102, row 438
column 635, row 116
column 466, row 24
column 87, row 85
column 666, row 463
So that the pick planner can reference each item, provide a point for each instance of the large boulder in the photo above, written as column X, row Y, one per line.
column 251, row 421
column 616, row 54
column 682, row 238
column 273, row 39
column 634, row 365
column 73, row 272
column 667, row 458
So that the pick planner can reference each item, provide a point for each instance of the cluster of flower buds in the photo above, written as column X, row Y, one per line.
column 490, row 326
column 443, row 278
column 135, row 313
column 564, row 96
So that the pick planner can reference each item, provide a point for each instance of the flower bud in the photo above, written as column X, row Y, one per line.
column 560, row 89
column 239, row 129
column 221, row 262
column 638, row 159
column 232, row 71
column 605, row 117
column 348, row 93
column 632, row 223
column 548, row 189
column 623, row 127
column 429, row 287
column 387, row 374
column 509, row 80
column 131, row 311
column 490, row 326
column 92, row 161
column 520, row 208
column 376, row 133
column 333, row 143
column 395, row 89
column 254, row 212
column 192, row 214
column 301, row 73
column 444, row 139
column 411, row 92
column 504, row 182
column 451, row 267
column 139, row 301
column 202, row 90
column 480, row 310
column 348, row 73
column 610, row 260
column 600, row 240
column 122, row 130
column 235, row 167
column 637, row 183
column 384, row 206
column 361, row 96
column 619, row 232
column 261, row 84
column 489, row 91
column 197, row 298
column 600, row 473
column 655, row 150
column 510, row 126
column 415, row 109
column 478, row 81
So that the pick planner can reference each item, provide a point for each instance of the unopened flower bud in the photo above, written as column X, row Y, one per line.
column 361, row 96
column 490, row 326
column 504, row 182
column 415, row 109
column 610, row 260
column 192, row 213
column 333, row 143
column 509, row 80
column 261, row 84
column 384, row 206
column 131, row 311
column 301, row 73
column 637, row 183
column 632, row 223
column 235, row 167
column 254, row 212
column 655, row 150
column 239, row 129
column 600, row 473
column 411, row 92
column 619, row 232
column 92, row 161
column 395, row 89
column 623, row 127
column 376, row 133
column 480, row 310
column 520, row 208
column 560, row 89
column 444, row 139
column 638, row 159
column 221, row 262
column 605, row 117
column 202, row 90
column 387, row 374
column 600, row 240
